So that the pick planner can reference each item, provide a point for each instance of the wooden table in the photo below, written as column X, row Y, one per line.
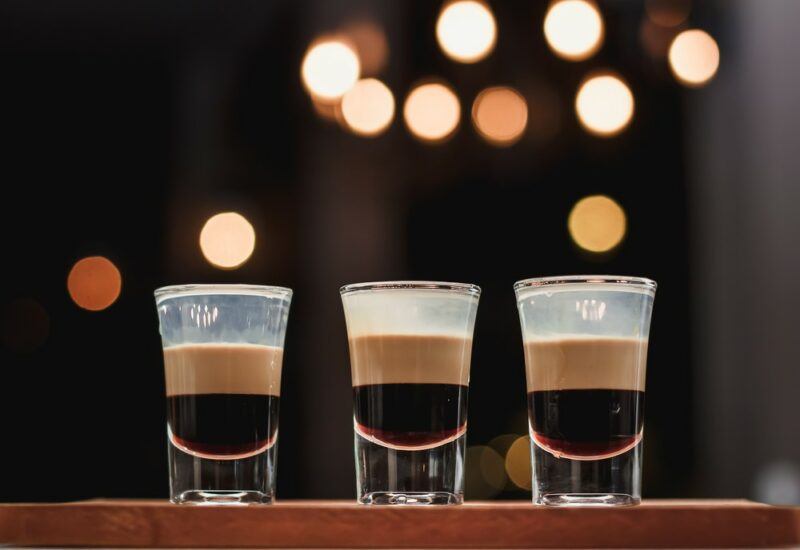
column 320, row 524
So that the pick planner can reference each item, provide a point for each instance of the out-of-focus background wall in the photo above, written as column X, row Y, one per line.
column 371, row 140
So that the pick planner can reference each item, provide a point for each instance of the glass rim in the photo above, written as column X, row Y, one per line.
column 461, row 288
column 611, row 280
column 171, row 291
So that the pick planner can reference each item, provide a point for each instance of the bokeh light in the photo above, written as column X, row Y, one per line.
column 500, row 115
column 597, row 223
column 432, row 112
column 466, row 31
column 25, row 325
column 518, row 462
column 368, row 107
column 326, row 110
column 604, row 105
column 668, row 13
column 371, row 45
column 94, row 283
column 227, row 240
column 330, row 68
column 485, row 473
column 573, row 29
column 694, row 57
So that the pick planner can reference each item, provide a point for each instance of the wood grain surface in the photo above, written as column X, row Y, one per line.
column 330, row 524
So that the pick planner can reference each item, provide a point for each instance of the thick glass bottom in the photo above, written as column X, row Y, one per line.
column 411, row 499
column 421, row 477
column 586, row 499
column 222, row 498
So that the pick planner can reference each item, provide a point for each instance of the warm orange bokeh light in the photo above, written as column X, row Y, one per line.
column 668, row 13
column 432, row 112
column 604, row 105
column 227, row 240
column 330, row 68
column 518, row 462
column 597, row 223
column 500, row 115
column 466, row 31
column 370, row 43
column 573, row 29
column 368, row 107
column 94, row 283
column 694, row 57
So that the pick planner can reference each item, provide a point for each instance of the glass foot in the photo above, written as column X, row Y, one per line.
column 411, row 499
column 586, row 499
column 222, row 498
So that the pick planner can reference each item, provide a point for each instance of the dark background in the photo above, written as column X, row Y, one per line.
column 127, row 125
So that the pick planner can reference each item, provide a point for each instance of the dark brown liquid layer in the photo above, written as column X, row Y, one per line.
column 410, row 415
column 586, row 423
column 223, row 424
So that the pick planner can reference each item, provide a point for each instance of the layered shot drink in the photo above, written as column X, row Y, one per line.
column 586, row 342
column 410, row 347
column 223, row 355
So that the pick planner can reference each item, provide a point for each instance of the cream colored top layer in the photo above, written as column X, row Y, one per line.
column 586, row 363
column 410, row 359
column 223, row 368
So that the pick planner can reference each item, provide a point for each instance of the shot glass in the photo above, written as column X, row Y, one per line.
column 410, row 347
column 223, row 353
column 585, row 341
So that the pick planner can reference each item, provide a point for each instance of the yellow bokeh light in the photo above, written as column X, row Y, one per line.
column 668, row 13
column 330, row 68
column 500, row 115
column 597, row 223
column 485, row 472
column 227, row 240
column 694, row 57
column 94, row 283
column 466, row 31
column 368, row 107
column 432, row 112
column 573, row 29
column 518, row 462
column 604, row 105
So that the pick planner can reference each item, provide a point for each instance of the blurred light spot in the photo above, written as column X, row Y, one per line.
column 656, row 39
column 432, row 112
column 26, row 325
column 370, row 43
column 485, row 475
column 573, row 29
column 328, row 110
column 778, row 483
column 518, row 462
column 501, row 443
column 694, row 57
column 466, row 31
column 94, row 283
column 330, row 68
column 368, row 107
column 227, row 240
column 668, row 13
column 604, row 105
column 500, row 115
column 597, row 223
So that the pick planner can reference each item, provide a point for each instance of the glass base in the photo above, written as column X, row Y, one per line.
column 222, row 498
column 411, row 499
column 587, row 499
